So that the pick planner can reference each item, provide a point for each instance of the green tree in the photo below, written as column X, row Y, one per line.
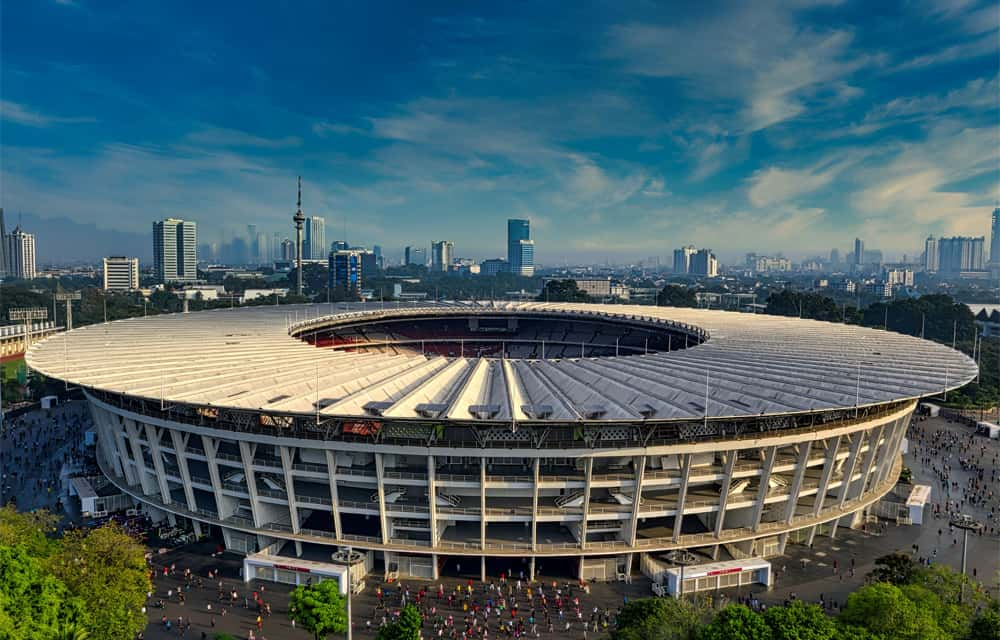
column 800, row 621
column 319, row 608
column 33, row 603
column 659, row 619
column 406, row 628
column 106, row 568
column 804, row 304
column 895, row 568
column 986, row 626
column 28, row 530
column 562, row 291
column 674, row 295
column 884, row 609
column 737, row 622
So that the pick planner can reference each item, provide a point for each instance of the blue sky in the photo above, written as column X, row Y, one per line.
column 621, row 130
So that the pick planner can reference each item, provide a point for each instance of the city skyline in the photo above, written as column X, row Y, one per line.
column 615, row 132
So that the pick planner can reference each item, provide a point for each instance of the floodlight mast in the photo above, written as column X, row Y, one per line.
column 69, row 297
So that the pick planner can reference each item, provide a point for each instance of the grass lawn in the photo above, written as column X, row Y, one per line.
column 10, row 368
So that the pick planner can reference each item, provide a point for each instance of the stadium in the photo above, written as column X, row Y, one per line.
column 591, row 438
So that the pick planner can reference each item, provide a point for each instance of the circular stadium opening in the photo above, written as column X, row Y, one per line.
column 520, row 335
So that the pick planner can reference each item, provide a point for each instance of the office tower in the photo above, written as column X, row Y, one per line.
column 441, row 254
column 995, row 238
column 253, row 247
column 4, row 258
column 834, row 257
column 21, row 254
column 263, row 248
column 493, row 266
column 526, row 258
column 682, row 259
column 347, row 269
column 519, row 232
column 415, row 255
column 175, row 253
column 704, row 263
column 379, row 262
column 859, row 252
column 931, row 255
column 961, row 254
column 287, row 250
column 339, row 245
column 121, row 273
column 315, row 242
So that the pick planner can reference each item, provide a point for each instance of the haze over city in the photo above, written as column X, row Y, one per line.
column 620, row 131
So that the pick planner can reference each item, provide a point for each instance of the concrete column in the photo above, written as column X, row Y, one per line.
column 682, row 495
column 211, row 448
column 331, row 470
column 380, row 475
column 482, row 503
column 128, row 467
column 762, row 490
column 432, row 502
column 482, row 568
column 727, row 484
column 852, row 460
column 800, row 472
column 148, row 484
column 246, row 455
column 850, row 489
column 435, row 570
column 179, row 441
column 640, row 469
column 535, row 469
column 531, row 569
column 893, row 446
column 832, row 446
column 161, row 473
column 588, row 474
column 287, row 455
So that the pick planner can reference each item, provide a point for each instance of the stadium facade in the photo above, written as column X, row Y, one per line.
column 591, row 435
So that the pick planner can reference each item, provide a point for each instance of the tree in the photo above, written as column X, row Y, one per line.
column 986, row 626
column 562, row 291
column 659, row 619
column 106, row 568
column 805, row 305
column 737, row 622
column 674, row 295
column 28, row 530
column 406, row 628
column 319, row 608
column 33, row 603
column 895, row 568
column 884, row 609
column 799, row 621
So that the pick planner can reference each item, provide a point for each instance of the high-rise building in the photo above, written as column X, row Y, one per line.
column 347, row 269
column 493, row 266
column 834, row 257
column 4, row 257
column 682, row 259
column 175, row 253
column 314, row 245
column 520, row 247
column 442, row 252
column 379, row 261
column 961, row 254
column 20, row 254
column 704, row 263
column 339, row 245
column 287, row 250
column 415, row 255
column 253, row 246
column 859, row 251
column 121, row 273
column 932, row 255
column 995, row 238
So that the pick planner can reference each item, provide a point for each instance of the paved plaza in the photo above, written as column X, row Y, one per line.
column 959, row 466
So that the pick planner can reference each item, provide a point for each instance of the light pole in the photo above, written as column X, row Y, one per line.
column 349, row 630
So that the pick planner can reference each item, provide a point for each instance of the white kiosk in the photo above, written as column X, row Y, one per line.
column 718, row 575
column 918, row 499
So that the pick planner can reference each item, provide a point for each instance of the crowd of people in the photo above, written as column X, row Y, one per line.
column 34, row 449
column 942, row 451
column 506, row 608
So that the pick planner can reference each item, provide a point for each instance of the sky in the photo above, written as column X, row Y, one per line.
column 621, row 130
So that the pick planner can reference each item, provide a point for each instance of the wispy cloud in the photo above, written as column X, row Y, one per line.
column 24, row 115
column 221, row 137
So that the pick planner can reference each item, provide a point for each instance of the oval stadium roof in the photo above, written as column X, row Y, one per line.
column 750, row 365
